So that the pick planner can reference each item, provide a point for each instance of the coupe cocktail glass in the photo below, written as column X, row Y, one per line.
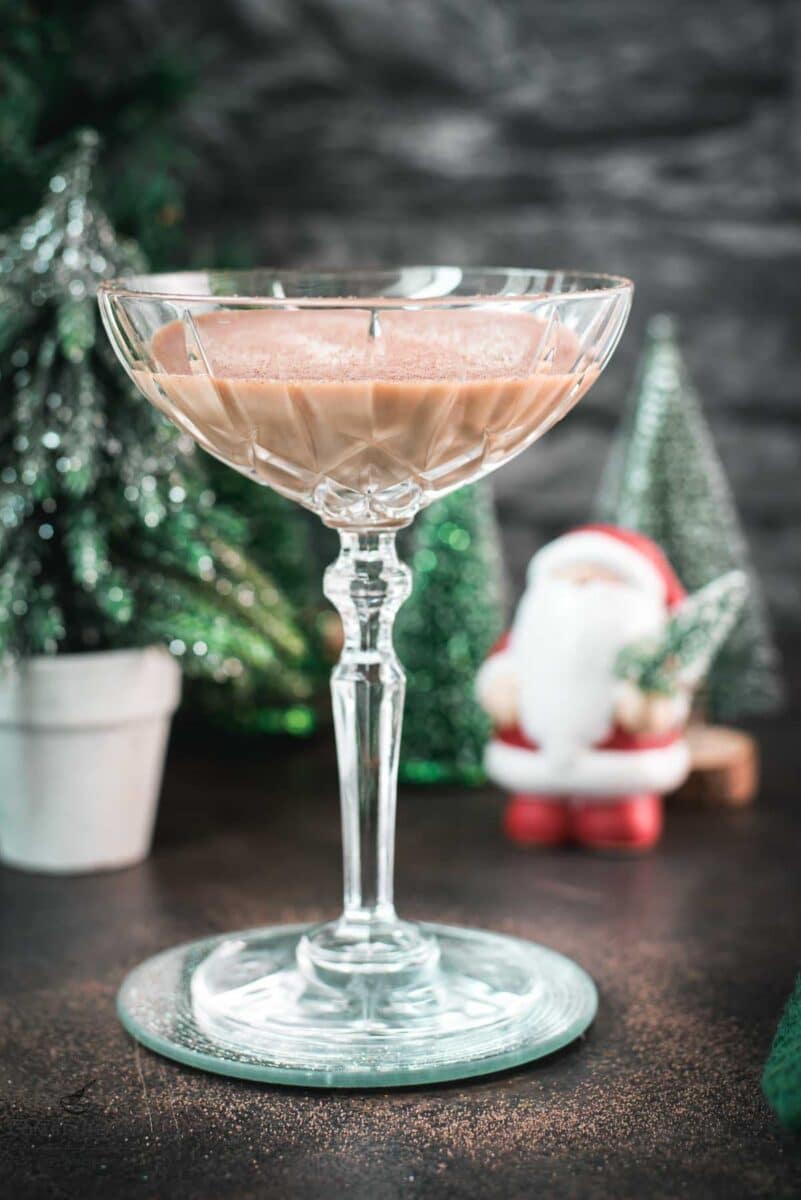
column 363, row 395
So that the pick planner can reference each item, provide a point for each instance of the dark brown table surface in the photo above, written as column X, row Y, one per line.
column 694, row 949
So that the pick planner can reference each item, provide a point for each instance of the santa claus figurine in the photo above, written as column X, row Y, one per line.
column 585, row 754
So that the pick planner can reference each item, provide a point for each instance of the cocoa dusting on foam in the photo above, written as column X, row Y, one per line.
column 302, row 346
column 298, row 398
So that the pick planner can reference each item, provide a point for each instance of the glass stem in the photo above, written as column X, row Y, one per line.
column 368, row 584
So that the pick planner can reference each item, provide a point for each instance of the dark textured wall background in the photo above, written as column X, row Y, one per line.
column 660, row 140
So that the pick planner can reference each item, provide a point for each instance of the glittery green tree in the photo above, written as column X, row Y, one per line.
column 665, row 479
column 110, row 535
column 678, row 658
column 443, row 634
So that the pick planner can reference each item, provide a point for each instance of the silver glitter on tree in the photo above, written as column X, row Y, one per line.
column 665, row 479
column 110, row 535
column 678, row 659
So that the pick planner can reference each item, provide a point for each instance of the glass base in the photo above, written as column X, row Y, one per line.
column 259, row 1005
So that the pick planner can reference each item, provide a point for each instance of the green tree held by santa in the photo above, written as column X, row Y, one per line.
column 665, row 479
column 444, row 632
column 109, row 533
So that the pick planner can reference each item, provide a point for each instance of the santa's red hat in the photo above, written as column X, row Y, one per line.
column 635, row 557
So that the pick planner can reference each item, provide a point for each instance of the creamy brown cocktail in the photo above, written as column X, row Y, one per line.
column 364, row 395
column 365, row 400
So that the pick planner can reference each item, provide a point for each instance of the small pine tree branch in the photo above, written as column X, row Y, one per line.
column 680, row 658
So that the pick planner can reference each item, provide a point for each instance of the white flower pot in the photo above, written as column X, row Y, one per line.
column 82, row 744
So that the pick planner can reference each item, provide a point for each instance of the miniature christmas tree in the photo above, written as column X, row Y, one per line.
column 678, row 659
column 664, row 478
column 444, row 632
column 781, row 1078
column 109, row 533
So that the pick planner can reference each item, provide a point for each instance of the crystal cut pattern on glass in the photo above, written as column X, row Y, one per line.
column 363, row 396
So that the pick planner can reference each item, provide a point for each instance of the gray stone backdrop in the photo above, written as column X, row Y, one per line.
column 659, row 140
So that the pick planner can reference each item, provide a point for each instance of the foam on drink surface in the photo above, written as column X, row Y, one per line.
column 433, row 397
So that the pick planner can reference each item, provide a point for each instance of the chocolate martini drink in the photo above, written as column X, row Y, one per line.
column 363, row 396
column 366, row 402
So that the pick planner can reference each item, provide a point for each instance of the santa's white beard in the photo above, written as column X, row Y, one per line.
column 565, row 641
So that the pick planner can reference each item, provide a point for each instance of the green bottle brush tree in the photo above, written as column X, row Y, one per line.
column 110, row 535
column 665, row 479
column 781, row 1078
column 443, row 633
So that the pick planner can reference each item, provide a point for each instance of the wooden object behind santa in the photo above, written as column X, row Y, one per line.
column 724, row 768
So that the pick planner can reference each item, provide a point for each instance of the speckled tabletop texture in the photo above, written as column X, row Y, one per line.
column 694, row 950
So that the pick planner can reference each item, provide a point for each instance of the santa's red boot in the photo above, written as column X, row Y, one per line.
column 618, row 823
column 531, row 820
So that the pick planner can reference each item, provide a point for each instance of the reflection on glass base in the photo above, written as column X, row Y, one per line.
column 249, row 1005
